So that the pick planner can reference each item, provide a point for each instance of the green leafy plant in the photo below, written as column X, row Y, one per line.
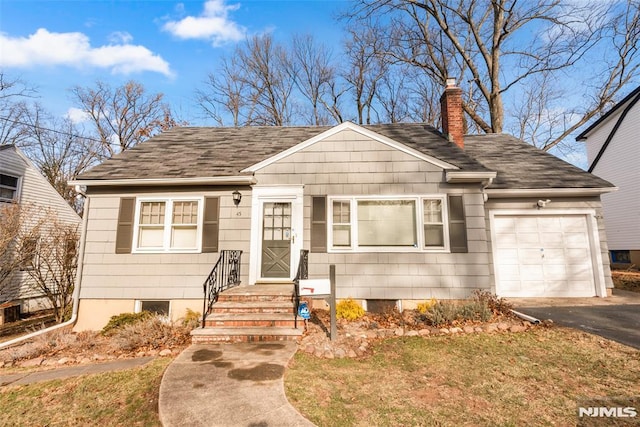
column 123, row 319
column 349, row 309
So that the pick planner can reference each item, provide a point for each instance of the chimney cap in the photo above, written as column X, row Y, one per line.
column 450, row 82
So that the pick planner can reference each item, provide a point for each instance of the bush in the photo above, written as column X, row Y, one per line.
column 446, row 313
column 349, row 309
column 423, row 307
column 496, row 304
column 121, row 320
column 152, row 332
column 191, row 319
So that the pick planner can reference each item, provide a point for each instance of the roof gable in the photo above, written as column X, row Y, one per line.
column 634, row 94
column 358, row 129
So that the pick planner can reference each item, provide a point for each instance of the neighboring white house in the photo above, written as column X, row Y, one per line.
column 613, row 150
column 22, row 183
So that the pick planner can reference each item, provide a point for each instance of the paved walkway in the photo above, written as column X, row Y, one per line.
column 229, row 385
column 22, row 378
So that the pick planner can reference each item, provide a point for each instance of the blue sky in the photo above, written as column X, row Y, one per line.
column 169, row 46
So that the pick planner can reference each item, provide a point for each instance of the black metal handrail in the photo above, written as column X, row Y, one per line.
column 224, row 275
column 303, row 273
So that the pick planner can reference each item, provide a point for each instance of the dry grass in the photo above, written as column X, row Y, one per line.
column 126, row 398
column 533, row 378
column 627, row 280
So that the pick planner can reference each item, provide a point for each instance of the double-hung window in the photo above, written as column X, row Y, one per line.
column 369, row 224
column 8, row 188
column 168, row 225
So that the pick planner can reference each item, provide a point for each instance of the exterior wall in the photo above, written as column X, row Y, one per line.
column 350, row 164
column 36, row 193
column 163, row 276
column 559, row 204
column 619, row 165
column 94, row 314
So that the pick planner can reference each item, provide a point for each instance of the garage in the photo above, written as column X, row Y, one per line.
column 544, row 255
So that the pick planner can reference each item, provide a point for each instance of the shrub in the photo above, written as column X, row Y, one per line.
column 124, row 319
column 152, row 332
column 446, row 313
column 191, row 319
column 423, row 307
column 349, row 309
column 496, row 304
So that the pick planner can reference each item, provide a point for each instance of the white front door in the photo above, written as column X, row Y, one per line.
column 544, row 256
column 276, row 233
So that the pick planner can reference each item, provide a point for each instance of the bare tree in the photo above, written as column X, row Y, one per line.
column 123, row 116
column 498, row 46
column 13, row 94
column 9, row 258
column 316, row 76
column 267, row 73
column 366, row 67
column 59, row 150
column 253, row 87
column 48, row 250
column 226, row 94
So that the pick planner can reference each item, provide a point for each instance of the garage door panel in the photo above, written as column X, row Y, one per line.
column 509, row 256
column 532, row 272
column 575, row 224
column 576, row 240
column 528, row 239
column 553, row 256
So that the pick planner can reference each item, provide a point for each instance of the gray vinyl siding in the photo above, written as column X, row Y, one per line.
column 352, row 165
column 37, row 194
column 107, row 275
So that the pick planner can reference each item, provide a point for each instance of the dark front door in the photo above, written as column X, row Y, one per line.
column 276, row 240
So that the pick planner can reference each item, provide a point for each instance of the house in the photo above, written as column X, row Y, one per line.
column 405, row 213
column 22, row 183
column 613, row 152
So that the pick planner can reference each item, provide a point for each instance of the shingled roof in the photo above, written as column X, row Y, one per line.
column 522, row 166
column 197, row 152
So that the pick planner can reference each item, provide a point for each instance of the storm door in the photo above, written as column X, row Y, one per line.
column 277, row 239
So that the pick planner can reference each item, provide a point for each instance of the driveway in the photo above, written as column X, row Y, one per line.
column 616, row 318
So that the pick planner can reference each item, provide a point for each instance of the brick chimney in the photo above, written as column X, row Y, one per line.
column 451, row 113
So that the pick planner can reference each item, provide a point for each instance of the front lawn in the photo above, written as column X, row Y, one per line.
column 532, row 378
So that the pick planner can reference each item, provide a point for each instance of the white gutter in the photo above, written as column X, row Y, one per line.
column 539, row 192
column 221, row 180
column 460, row 177
column 76, row 289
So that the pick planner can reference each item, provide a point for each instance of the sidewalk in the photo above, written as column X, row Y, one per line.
column 229, row 385
column 22, row 378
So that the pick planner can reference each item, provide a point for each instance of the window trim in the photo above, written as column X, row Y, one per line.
column 138, row 306
column 16, row 189
column 418, row 199
column 167, row 227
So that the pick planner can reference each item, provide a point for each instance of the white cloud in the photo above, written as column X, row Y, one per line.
column 120, row 37
column 77, row 115
column 213, row 24
column 44, row 48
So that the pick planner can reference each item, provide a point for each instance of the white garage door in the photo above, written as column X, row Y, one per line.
column 543, row 256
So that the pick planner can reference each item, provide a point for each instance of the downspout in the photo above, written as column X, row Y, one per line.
column 485, row 184
column 76, row 289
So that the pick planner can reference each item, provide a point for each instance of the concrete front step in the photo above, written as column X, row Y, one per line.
column 222, row 320
column 217, row 335
column 257, row 293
